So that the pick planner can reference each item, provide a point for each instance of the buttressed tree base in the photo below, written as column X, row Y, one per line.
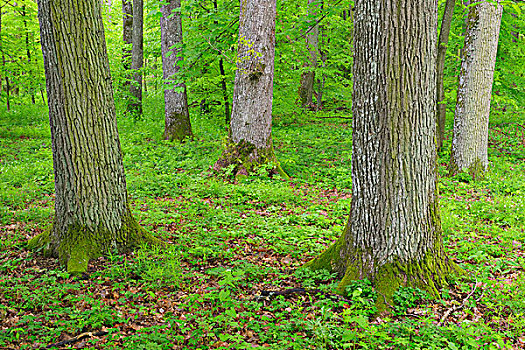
column 393, row 236
column 92, row 215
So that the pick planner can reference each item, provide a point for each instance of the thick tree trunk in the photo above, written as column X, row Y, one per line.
column 393, row 235
column 178, row 126
column 137, row 60
column 471, row 120
column 306, row 89
column 442, row 50
column 127, row 33
column 92, row 214
column 250, row 138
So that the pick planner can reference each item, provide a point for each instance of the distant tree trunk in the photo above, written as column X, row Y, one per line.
column 127, row 38
column 28, row 52
column 127, row 32
column 177, row 117
column 92, row 214
column 137, row 60
column 250, row 138
column 306, row 89
column 442, row 50
column 393, row 236
column 471, row 121
column 224, row 87
column 8, row 103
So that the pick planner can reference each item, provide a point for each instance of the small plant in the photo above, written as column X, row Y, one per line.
column 408, row 297
column 363, row 297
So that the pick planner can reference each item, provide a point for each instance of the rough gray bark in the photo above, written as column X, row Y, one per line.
column 471, row 120
column 442, row 50
column 91, row 206
column 250, row 136
column 137, row 59
column 177, row 118
column 306, row 89
column 127, row 32
column 393, row 235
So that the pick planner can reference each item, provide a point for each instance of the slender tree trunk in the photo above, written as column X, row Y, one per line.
column 127, row 37
column 224, row 87
column 28, row 52
column 137, row 60
column 393, row 236
column 8, row 102
column 306, row 89
column 92, row 213
column 177, row 117
column 250, row 137
column 471, row 121
column 442, row 50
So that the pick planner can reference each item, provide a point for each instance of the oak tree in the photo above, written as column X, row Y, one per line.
column 393, row 236
column 471, row 119
column 177, row 117
column 92, row 214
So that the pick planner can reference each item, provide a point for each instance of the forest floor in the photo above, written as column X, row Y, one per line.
column 230, row 242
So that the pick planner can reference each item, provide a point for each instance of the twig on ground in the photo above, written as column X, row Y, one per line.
column 76, row 339
column 458, row 307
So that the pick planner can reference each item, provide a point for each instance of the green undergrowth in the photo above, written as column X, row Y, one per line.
column 229, row 242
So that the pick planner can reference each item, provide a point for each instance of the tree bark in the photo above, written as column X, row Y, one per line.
column 441, row 55
column 249, row 143
column 224, row 87
column 393, row 236
column 471, row 120
column 137, row 60
column 127, row 33
column 306, row 89
column 92, row 213
column 177, row 117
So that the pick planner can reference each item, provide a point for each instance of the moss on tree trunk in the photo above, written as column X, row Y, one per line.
column 79, row 243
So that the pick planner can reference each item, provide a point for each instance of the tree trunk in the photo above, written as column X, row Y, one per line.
column 92, row 213
column 471, row 120
column 250, row 138
column 127, row 33
column 137, row 60
column 178, row 126
column 224, row 87
column 306, row 89
column 442, row 50
column 28, row 52
column 393, row 236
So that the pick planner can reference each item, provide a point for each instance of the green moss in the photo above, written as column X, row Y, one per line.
column 330, row 259
column 80, row 244
column 247, row 159
column 429, row 274
column 180, row 130
column 476, row 169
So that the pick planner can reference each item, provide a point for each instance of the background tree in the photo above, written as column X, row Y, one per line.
column 178, row 125
column 306, row 89
column 249, row 143
column 471, row 120
column 441, row 55
column 393, row 236
column 127, row 34
column 137, row 59
column 92, row 213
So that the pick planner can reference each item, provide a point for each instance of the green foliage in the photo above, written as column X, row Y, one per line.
column 407, row 297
